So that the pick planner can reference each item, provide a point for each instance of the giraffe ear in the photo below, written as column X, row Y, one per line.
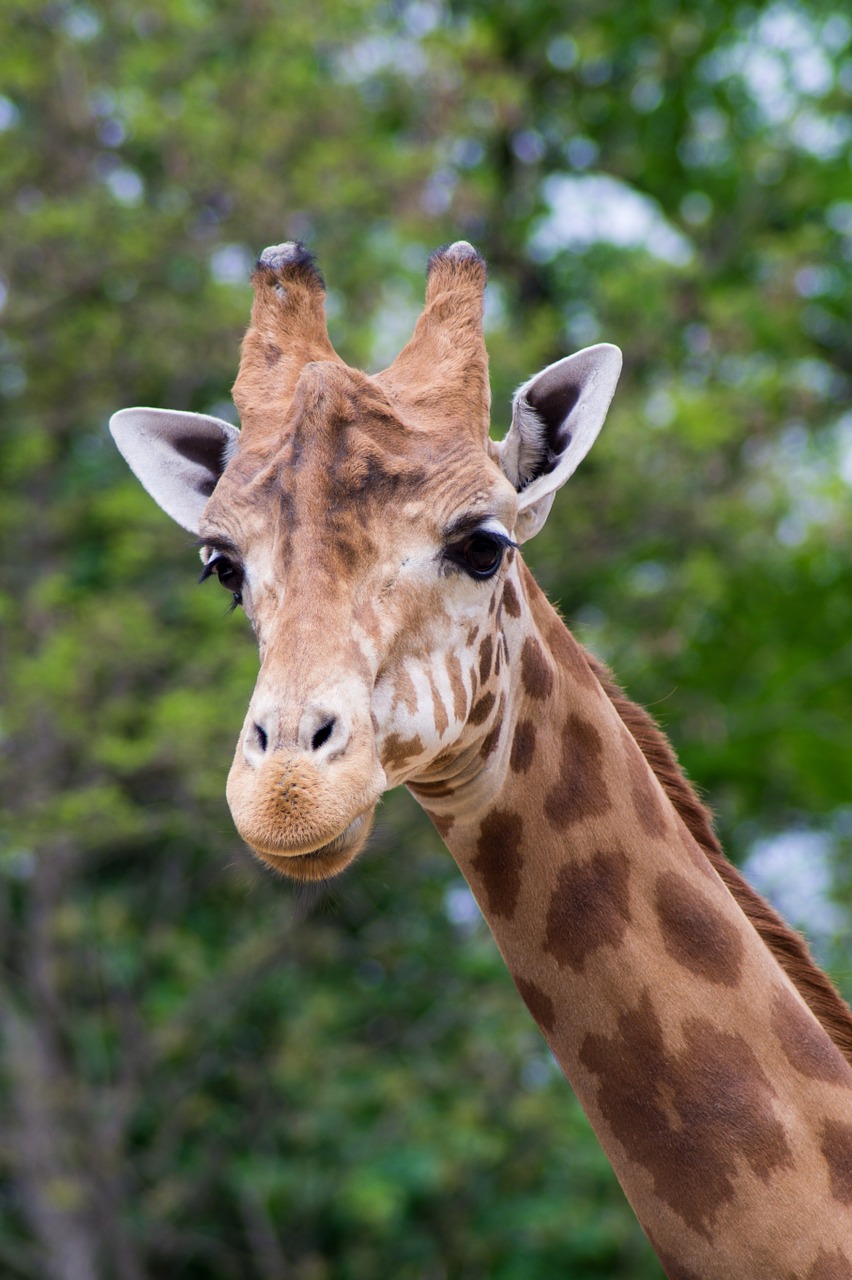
column 178, row 457
column 556, row 417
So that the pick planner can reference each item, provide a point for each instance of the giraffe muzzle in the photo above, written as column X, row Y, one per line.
column 306, row 813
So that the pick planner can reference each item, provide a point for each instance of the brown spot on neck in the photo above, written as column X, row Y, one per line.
column 536, row 674
column 647, row 801
column 489, row 742
column 581, row 791
column 442, row 822
column 831, row 1266
column 589, row 908
column 481, row 710
column 485, row 654
column 788, row 947
column 807, row 1046
column 510, row 601
column 836, row 1147
column 723, row 1110
column 537, row 1001
column 499, row 860
column 523, row 746
column 569, row 656
column 695, row 932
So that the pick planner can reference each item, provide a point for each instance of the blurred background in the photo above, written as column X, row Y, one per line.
column 201, row 1076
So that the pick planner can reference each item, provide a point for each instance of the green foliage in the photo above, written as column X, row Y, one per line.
column 201, row 1074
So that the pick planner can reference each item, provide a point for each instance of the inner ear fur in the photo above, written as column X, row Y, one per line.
column 177, row 456
column 556, row 417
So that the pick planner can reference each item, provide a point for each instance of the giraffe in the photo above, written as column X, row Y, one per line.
column 371, row 531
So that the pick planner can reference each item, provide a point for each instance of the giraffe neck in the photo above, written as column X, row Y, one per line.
column 723, row 1106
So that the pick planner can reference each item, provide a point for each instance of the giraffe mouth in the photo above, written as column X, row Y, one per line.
column 329, row 859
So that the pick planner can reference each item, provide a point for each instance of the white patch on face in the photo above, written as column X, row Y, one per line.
column 366, row 643
column 382, row 704
column 264, row 575
column 399, row 715
column 405, row 708
column 459, row 656
column 441, row 679
column 425, row 715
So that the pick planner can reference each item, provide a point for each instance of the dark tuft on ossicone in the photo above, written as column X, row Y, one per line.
column 460, row 252
column 291, row 260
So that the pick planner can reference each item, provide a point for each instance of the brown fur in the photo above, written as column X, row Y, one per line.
column 287, row 331
column 441, row 377
column 788, row 947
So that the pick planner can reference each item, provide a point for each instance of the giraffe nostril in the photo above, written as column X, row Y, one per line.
column 322, row 735
column 261, row 735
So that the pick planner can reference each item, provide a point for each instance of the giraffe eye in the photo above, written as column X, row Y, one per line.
column 479, row 554
column 229, row 574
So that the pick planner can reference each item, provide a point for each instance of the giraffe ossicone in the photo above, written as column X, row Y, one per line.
column 370, row 528
column 279, row 255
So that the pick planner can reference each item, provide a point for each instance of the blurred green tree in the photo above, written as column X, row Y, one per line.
column 201, row 1074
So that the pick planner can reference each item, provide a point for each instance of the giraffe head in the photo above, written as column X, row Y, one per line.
column 368, row 527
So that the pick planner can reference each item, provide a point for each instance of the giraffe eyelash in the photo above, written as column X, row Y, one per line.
column 224, row 568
